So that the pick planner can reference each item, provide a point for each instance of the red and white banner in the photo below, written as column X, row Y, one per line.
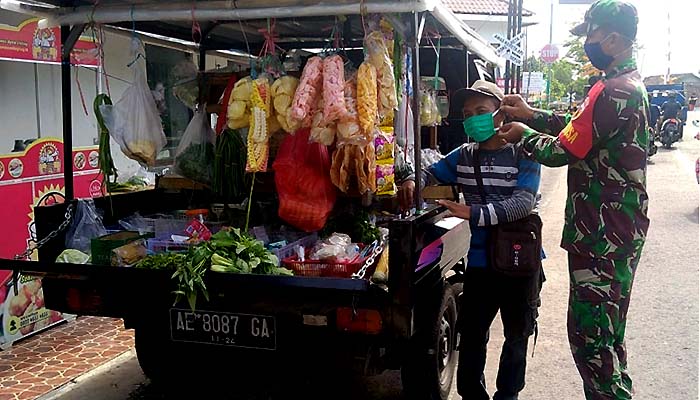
column 27, row 42
column 29, row 179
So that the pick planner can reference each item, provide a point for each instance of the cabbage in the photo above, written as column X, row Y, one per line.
column 72, row 256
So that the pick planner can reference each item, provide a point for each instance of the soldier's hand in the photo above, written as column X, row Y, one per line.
column 512, row 132
column 516, row 107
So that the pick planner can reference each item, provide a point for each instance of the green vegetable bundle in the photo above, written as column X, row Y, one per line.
column 194, row 162
column 357, row 224
column 226, row 252
column 236, row 252
column 229, row 166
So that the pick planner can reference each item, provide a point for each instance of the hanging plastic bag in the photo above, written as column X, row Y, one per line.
column 137, row 125
column 195, row 153
column 306, row 193
column 349, row 127
column 378, row 56
column 86, row 225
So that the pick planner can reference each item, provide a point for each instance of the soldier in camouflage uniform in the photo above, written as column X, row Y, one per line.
column 605, row 146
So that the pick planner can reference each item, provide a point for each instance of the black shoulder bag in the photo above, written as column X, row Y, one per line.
column 512, row 248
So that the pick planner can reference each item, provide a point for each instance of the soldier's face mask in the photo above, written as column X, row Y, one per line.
column 597, row 56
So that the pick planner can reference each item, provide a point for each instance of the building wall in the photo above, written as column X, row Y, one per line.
column 22, row 91
column 19, row 96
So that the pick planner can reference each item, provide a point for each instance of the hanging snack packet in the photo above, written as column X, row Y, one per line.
column 378, row 56
column 322, row 132
column 309, row 89
column 283, row 92
column 367, row 98
column 349, row 126
column 239, row 104
column 384, row 143
column 333, row 89
column 385, row 179
column 259, row 134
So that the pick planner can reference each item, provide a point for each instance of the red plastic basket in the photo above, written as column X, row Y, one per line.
column 320, row 268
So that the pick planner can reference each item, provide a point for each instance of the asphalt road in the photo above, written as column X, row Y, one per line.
column 662, row 331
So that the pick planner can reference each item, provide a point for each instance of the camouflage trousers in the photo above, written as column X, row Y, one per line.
column 598, row 303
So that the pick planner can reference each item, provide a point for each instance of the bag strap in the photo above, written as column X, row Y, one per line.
column 477, row 173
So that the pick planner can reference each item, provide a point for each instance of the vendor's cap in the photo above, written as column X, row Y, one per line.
column 618, row 16
column 480, row 87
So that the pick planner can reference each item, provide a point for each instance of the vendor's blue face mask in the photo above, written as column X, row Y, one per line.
column 480, row 127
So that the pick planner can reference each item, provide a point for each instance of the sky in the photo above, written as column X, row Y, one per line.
column 652, row 33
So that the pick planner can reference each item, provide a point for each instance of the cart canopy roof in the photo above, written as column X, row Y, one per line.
column 238, row 24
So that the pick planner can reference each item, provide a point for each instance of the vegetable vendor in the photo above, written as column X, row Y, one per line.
column 508, row 193
column 605, row 147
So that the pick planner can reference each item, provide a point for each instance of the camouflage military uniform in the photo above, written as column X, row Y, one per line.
column 606, row 220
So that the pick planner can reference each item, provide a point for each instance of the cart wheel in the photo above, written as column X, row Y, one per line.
column 428, row 372
column 154, row 355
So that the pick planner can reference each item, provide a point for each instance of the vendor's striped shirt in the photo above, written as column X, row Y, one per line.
column 511, row 183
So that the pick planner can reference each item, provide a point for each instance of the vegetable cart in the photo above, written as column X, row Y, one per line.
column 407, row 322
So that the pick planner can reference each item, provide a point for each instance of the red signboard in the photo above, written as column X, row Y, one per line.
column 549, row 53
column 29, row 43
column 29, row 179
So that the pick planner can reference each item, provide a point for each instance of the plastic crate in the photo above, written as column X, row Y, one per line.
column 319, row 268
column 288, row 250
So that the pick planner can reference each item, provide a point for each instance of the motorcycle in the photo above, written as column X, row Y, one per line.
column 670, row 132
column 652, row 143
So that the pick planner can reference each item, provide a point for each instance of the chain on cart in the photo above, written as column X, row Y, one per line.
column 371, row 259
column 68, row 217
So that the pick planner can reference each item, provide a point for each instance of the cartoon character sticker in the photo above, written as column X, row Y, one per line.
column 44, row 45
column 79, row 161
column 16, row 167
column 94, row 159
column 49, row 161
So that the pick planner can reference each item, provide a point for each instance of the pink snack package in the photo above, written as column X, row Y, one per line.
column 333, row 89
column 306, row 95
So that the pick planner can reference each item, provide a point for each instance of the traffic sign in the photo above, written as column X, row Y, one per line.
column 549, row 53
column 533, row 82
column 511, row 49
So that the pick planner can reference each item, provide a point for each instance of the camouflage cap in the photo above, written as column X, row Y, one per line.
column 619, row 16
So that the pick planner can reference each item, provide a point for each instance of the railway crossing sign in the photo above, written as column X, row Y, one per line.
column 511, row 49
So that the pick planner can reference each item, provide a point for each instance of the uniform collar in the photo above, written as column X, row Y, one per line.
column 624, row 67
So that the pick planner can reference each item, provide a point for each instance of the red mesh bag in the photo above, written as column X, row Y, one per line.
column 302, row 177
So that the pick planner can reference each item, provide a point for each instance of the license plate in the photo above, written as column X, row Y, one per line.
column 225, row 329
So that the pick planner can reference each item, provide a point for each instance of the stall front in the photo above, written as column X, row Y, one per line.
column 284, row 215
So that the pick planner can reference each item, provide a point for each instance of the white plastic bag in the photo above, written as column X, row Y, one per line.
column 194, row 155
column 86, row 225
column 137, row 126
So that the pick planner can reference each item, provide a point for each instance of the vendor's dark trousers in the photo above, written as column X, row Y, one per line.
column 485, row 293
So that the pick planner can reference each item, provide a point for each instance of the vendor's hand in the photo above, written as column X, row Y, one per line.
column 512, row 132
column 456, row 209
column 406, row 192
column 516, row 107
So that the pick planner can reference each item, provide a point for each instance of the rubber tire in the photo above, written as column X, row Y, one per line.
column 421, row 375
column 154, row 355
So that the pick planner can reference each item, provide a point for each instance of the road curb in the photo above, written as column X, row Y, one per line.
column 75, row 382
